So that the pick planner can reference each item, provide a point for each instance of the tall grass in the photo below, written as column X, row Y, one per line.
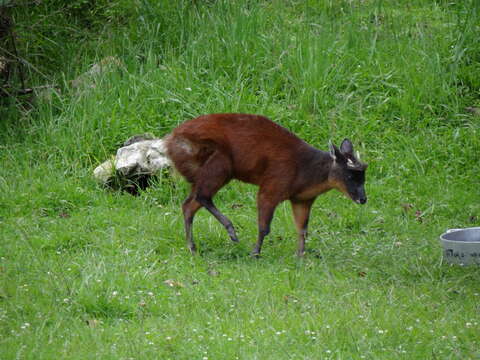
column 83, row 269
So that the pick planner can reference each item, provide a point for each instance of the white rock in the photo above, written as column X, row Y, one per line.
column 142, row 157
column 105, row 171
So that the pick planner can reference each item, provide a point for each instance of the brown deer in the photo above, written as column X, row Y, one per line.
column 211, row 150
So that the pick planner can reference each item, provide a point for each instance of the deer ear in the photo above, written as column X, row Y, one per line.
column 334, row 151
column 347, row 148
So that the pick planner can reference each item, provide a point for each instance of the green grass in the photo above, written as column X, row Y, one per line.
column 83, row 270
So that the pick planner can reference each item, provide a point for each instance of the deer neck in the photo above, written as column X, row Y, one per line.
column 313, row 176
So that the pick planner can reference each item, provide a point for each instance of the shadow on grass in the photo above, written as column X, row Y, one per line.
column 225, row 252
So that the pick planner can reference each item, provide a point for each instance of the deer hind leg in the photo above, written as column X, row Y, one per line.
column 211, row 177
column 190, row 207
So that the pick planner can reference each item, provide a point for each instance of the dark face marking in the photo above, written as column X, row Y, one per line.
column 350, row 181
column 354, row 183
column 348, row 173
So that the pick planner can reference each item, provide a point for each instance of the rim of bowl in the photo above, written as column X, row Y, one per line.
column 449, row 231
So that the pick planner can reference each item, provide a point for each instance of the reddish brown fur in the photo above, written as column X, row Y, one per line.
column 211, row 150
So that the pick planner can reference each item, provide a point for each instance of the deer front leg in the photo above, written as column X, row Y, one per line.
column 266, row 204
column 301, row 214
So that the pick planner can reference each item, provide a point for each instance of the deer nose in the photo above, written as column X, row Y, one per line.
column 362, row 200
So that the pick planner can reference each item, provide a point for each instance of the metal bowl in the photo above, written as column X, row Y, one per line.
column 461, row 246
